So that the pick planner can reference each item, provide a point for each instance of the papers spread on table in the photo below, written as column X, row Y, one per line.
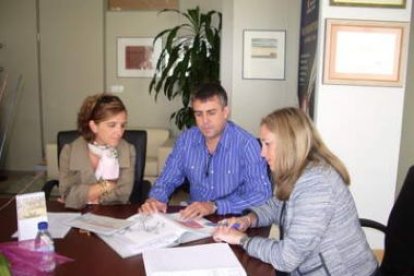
column 156, row 231
column 102, row 225
column 58, row 227
column 31, row 209
column 202, row 260
column 57, row 224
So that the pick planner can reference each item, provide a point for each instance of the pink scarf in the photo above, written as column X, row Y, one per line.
column 108, row 166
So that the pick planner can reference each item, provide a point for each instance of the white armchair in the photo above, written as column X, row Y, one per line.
column 159, row 146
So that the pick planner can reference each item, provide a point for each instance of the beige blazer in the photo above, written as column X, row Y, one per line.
column 76, row 174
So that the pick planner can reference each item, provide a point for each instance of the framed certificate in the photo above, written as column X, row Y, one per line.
column 370, row 3
column 365, row 52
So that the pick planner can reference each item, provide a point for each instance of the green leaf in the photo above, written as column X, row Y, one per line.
column 190, row 56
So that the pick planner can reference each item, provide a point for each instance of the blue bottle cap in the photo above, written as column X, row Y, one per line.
column 42, row 225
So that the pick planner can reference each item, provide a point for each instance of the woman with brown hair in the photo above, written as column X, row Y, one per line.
column 320, row 233
column 98, row 167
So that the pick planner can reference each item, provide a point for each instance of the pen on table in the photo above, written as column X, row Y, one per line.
column 234, row 226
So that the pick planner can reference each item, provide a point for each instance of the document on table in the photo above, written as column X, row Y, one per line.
column 57, row 224
column 156, row 231
column 214, row 259
column 99, row 224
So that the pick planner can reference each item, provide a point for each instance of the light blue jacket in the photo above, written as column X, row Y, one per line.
column 322, row 233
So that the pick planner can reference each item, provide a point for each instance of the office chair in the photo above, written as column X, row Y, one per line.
column 138, row 138
column 399, row 233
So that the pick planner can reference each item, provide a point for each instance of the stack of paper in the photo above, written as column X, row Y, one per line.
column 156, row 231
column 201, row 260
column 99, row 224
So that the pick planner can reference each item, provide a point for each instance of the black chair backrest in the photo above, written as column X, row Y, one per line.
column 138, row 138
column 399, row 238
column 65, row 137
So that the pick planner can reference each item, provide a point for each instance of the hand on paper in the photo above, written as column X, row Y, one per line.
column 197, row 210
column 239, row 223
column 227, row 234
column 151, row 206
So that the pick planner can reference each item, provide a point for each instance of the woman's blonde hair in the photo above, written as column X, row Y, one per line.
column 298, row 143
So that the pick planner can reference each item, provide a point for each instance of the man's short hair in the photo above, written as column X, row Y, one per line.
column 208, row 90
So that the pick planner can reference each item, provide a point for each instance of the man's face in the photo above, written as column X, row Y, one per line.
column 210, row 116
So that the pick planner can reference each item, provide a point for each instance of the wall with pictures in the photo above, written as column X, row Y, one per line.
column 143, row 110
column 252, row 99
column 363, row 124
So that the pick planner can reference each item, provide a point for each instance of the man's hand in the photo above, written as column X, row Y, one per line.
column 151, row 206
column 197, row 210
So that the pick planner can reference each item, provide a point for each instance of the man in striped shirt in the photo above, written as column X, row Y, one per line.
column 220, row 160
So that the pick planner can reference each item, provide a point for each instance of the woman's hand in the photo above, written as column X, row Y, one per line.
column 239, row 223
column 228, row 234
column 110, row 185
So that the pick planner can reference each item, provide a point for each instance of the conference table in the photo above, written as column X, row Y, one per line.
column 92, row 256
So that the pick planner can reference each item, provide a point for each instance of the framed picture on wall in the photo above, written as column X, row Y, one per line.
column 264, row 54
column 137, row 56
column 365, row 52
column 370, row 3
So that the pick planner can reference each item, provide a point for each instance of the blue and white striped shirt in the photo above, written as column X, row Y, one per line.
column 234, row 176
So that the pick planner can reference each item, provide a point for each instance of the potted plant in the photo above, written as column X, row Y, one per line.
column 189, row 57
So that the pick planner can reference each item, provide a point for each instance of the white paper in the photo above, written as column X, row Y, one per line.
column 31, row 209
column 214, row 259
column 99, row 224
column 57, row 224
column 156, row 231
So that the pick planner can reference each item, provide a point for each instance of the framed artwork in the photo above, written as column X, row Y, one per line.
column 370, row 3
column 137, row 56
column 264, row 54
column 135, row 5
column 365, row 52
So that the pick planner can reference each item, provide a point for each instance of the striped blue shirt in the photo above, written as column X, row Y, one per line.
column 234, row 176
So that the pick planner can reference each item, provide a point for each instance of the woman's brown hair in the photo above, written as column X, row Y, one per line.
column 298, row 144
column 97, row 108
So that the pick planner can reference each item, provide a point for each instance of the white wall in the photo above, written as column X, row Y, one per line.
column 407, row 133
column 362, row 125
column 250, row 100
column 19, row 57
column 71, row 59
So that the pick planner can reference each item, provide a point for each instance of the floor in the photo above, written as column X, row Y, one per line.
column 13, row 183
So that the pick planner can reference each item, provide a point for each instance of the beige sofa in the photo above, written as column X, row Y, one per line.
column 159, row 146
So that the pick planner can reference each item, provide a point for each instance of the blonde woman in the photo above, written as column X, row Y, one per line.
column 315, row 211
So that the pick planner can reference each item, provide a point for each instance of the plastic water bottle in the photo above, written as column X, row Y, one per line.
column 44, row 244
